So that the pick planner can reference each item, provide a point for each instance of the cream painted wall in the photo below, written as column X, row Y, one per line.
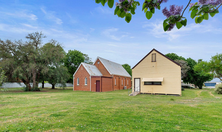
column 163, row 67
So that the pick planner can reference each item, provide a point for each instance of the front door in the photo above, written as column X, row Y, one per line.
column 137, row 85
column 97, row 86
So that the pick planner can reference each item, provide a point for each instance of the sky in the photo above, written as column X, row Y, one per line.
column 94, row 30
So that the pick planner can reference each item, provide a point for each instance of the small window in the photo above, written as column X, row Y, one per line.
column 98, row 62
column 86, row 81
column 77, row 81
column 115, row 81
column 152, row 83
column 122, row 81
column 154, row 57
column 127, row 82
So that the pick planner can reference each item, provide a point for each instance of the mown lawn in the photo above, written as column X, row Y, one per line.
column 56, row 110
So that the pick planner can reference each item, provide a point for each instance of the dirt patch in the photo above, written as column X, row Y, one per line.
column 198, row 93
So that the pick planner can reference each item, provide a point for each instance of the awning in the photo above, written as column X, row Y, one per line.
column 153, row 79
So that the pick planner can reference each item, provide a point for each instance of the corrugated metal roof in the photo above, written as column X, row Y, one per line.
column 114, row 68
column 92, row 70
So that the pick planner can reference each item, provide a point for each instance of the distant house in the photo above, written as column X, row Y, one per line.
column 211, row 84
column 103, row 76
column 156, row 74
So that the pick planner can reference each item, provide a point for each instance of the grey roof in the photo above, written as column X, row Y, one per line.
column 92, row 70
column 114, row 68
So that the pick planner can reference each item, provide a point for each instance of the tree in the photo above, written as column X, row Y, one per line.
column 72, row 60
column 127, row 68
column 214, row 66
column 25, row 61
column 2, row 76
column 174, row 56
column 57, row 72
column 195, row 77
column 199, row 10
column 184, row 67
column 87, row 59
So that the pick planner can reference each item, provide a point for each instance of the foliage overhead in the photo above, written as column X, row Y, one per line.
column 199, row 11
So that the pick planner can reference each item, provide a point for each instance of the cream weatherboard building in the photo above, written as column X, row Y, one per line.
column 156, row 74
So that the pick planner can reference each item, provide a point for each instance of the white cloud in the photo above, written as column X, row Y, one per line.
column 21, row 14
column 104, row 10
column 51, row 16
column 110, row 34
column 156, row 29
column 28, row 25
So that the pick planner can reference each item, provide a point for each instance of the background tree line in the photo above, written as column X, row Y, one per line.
column 31, row 61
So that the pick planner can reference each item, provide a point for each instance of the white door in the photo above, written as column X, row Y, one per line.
column 137, row 84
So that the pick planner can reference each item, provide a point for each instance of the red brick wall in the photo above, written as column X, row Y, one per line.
column 102, row 68
column 119, row 85
column 93, row 84
column 107, row 84
column 81, row 74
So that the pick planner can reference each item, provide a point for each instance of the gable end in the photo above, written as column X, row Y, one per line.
column 160, row 54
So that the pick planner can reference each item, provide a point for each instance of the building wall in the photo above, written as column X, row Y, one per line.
column 93, row 84
column 118, row 85
column 102, row 68
column 107, row 84
column 81, row 74
column 163, row 67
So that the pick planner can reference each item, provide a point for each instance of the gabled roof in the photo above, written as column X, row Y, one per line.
column 91, row 69
column 113, row 68
column 160, row 54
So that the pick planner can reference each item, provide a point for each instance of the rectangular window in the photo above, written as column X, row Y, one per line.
column 77, row 81
column 154, row 57
column 86, row 81
column 127, row 82
column 152, row 83
column 115, row 81
column 122, row 81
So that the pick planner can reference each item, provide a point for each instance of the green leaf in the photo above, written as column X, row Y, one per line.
column 199, row 19
column 179, row 25
column 118, row 13
column 128, row 17
column 110, row 3
column 193, row 13
column 144, row 5
column 122, row 14
column 115, row 11
column 133, row 11
column 103, row 2
column 145, row 10
column 98, row 1
column 166, row 27
column 206, row 16
column 149, row 15
column 153, row 10
column 212, row 14
column 184, row 22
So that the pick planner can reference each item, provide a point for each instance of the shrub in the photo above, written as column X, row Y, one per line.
column 218, row 88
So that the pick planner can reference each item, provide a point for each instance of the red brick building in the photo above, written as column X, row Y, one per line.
column 103, row 76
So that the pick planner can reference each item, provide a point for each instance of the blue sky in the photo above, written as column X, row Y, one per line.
column 94, row 30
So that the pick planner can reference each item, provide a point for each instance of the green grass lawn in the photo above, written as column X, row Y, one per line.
column 66, row 110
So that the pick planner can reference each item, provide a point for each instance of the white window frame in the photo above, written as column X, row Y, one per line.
column 86, row 81
column 77, row 81
column 122, row 81
column 115, row 81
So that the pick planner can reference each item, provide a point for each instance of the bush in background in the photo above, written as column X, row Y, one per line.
column 218, row 88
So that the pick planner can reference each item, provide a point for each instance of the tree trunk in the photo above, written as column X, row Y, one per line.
column 53, row 86
column 34, row 78
column 43, row 84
